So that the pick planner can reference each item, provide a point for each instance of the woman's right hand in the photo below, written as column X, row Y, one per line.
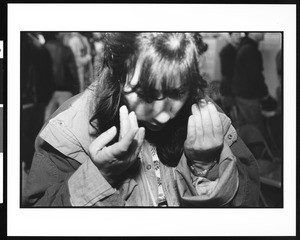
column 113, row 160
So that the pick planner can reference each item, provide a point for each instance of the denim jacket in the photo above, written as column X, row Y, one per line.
column 62, row 174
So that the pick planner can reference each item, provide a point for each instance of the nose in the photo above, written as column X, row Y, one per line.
column 163, row 111
column 163, row 117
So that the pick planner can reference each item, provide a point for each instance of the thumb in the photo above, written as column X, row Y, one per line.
column 101, row 141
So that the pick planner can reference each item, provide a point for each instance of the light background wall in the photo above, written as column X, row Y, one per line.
column 268, row 47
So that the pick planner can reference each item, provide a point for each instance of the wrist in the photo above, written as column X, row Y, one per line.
column 201, row 170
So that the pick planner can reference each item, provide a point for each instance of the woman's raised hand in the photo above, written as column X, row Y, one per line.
column 204, row 140
column 113, row 160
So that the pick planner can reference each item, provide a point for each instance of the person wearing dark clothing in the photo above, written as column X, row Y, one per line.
column 36, row 75
column 227, row 61
column 276, row 122
column 65, row 75
column 279, row 69
column 249, row 88
column 36, row 90
column 249, row 81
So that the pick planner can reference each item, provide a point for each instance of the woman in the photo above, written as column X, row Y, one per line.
column 143, row 135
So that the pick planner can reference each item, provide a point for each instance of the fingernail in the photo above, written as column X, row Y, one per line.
column 202, row 101
column 142, row 132
column 132, row 113
column 194, row 106
column 191, row 118
column 123, row 109
column 112, row 129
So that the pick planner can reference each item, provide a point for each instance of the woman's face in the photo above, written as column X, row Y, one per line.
column 156, row 114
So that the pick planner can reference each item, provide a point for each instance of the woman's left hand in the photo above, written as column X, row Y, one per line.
column 204, row 140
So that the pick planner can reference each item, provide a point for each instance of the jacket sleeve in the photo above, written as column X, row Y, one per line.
column 249, row 183
column 48, row 183
column 233, row 182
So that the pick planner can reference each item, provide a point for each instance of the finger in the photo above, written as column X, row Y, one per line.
column 133, row 123
column 191, row 130
column 136, row 140
column 123, row 145
column 135, row 146
column 133, row 120
column 216, row 120
column 197, row 120
column 124, row 121
column 205, row 119
column 140, row 140
column 101, row 141
column 141, row 136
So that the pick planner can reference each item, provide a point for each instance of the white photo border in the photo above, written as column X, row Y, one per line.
column 149, row 221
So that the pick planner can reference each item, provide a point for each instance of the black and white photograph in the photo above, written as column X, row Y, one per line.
column 116, row 115
column 151, row 119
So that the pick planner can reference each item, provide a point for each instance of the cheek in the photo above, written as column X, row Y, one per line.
column 142, row 110
column 177, row 105
column 132, row 100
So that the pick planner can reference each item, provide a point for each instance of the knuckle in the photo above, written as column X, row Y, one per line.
column 188, row 146
column 197, row 146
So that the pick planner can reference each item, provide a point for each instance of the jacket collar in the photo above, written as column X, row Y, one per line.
column 70, row 131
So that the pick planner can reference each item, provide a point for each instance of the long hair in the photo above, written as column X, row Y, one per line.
column 165, row 57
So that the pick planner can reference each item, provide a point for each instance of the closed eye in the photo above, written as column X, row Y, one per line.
column 177, row 93
column 155, row 95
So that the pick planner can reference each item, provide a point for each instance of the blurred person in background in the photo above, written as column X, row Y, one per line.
column 143, row 134
column 276, row 122
column 227, row 61
column 249, row 87
column 81, row 48
column 64, row 72
column 98, row 59
column 37, row 87
column 279, row 69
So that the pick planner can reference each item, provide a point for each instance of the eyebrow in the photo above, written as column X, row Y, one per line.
column 181, row 87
